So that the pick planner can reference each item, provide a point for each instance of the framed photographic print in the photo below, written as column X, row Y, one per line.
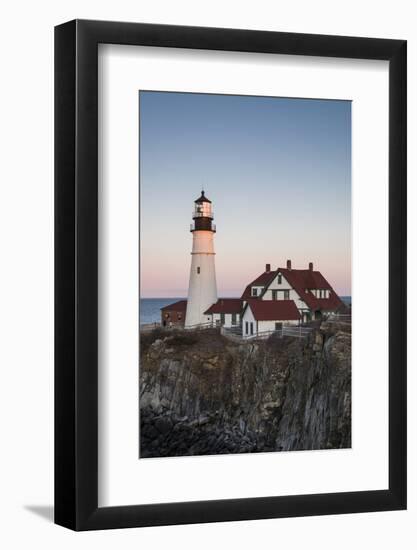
column 230, row 275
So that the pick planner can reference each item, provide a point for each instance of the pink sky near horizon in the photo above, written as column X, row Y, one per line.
column 168, row 277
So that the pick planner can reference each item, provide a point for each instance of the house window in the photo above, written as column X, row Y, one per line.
column 246, row 327
column 278, row 326
column 198, row 270
column 251, row 328
column 274, row 294
column 222, row 318
column 233, row 318
column 254, row 292
column 279, row 278
column 286, row 294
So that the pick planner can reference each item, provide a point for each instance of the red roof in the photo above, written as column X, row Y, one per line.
column 226, row 305
column 176, row 306
column 263, row 280
column 304, row 279
column 274, row 310
column 300, row 280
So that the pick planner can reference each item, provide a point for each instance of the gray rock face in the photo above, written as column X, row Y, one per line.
column 202, row 394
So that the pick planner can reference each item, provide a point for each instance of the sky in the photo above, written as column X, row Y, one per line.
column 277, row 170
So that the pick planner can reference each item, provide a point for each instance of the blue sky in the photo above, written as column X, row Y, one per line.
column 277, row 170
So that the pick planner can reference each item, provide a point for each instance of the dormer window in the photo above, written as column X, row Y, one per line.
column 254, row 291
column 279, row 278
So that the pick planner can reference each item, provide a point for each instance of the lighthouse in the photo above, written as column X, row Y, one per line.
column 202, row 288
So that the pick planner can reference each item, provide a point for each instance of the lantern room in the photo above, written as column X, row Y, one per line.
column 202, row 207
column 203, row 215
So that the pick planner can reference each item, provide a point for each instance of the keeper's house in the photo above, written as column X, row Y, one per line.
column 273, row 298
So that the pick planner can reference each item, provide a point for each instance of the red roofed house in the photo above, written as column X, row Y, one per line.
column 173, row 315
column 268, row 315
column 271, row 300
column 225, row 312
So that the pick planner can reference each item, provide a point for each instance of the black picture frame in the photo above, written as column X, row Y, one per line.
column 76, row 272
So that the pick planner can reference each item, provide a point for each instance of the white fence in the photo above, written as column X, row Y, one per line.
column 235, row 332
column 200, row 326
column 295, row 332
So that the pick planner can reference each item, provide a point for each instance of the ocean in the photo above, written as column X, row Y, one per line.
column 150, row 307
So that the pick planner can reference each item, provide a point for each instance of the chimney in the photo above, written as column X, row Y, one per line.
column 268, row 268
column 310, row 266
column 289, row 265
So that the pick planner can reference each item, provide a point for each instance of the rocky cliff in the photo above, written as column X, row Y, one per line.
column 202, row 394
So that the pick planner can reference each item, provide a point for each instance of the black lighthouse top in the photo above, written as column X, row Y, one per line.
column 203, row 215
column 202, row 198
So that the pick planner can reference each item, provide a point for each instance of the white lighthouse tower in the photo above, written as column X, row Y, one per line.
column 202, row 289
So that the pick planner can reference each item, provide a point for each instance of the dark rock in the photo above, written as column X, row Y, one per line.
column 163, row 424
column 211, row 396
